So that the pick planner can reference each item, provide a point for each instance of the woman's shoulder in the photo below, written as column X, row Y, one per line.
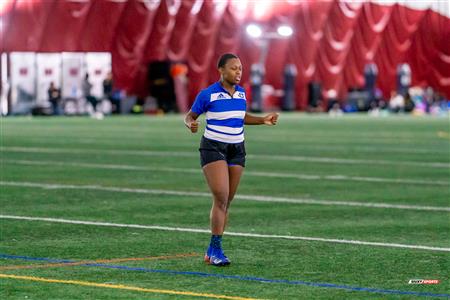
column 240, row 88
column 213, row 88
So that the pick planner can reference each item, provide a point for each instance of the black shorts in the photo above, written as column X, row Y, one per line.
column 210, row 151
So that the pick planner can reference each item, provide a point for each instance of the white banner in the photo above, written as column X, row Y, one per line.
column 98, row 65
column 72, row 74
column 48, row 70
column 5, row 85
column 23, row 81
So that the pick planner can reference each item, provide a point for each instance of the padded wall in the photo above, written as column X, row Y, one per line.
column 333, row 39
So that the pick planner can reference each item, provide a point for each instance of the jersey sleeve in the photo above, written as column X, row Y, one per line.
column 201, row 103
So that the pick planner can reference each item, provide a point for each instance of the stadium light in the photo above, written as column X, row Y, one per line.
column 262, row 39
column 257, row 32
column 285, row 31
column 254, row 30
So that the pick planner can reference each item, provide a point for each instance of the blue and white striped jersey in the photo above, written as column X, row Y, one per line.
column 224, row 113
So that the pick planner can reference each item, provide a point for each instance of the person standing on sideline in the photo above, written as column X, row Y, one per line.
column 108, row 93
column 222, row 150
column 54, row 97
column 87, row 87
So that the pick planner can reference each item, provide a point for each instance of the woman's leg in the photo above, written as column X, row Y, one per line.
column 217, row 177
column 235, row 173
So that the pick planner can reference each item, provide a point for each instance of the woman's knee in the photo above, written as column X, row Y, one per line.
column 221, row 195
column 230, row 197
column 221, row 200
column 228, row 205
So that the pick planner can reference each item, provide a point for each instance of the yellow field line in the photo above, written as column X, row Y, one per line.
column 443, row 134
column 97, row 261
column 121, row 287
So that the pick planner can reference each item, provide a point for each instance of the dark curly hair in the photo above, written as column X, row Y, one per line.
column 224, row 58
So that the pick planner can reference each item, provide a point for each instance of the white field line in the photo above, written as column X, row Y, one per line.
column 251, row 173
column 111, row 141
column 346, row 161
column 241, row 197
column 374, row 149
column 290, row 158
column 242, row 234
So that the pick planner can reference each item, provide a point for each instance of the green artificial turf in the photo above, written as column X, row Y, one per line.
column 125, row 170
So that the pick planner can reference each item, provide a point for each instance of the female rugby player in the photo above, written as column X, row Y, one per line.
column 222, row 150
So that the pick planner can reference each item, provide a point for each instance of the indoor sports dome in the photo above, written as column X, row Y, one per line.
column 297, row 54
column 224, row 149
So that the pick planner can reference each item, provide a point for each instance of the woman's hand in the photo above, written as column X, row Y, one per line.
column 193, row 126
column 271, row 119
column 191, row 121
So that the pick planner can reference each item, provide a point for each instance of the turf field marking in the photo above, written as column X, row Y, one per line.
column 121, row 287
column 290, row 158
column 87, row 262
column 443, row 134
column 241, row 234
column 241, row 197
column 374, row 149
column 246, row 278
column 110, row 141
column 251, row 173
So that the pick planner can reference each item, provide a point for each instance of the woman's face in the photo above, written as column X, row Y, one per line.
column 232, row 71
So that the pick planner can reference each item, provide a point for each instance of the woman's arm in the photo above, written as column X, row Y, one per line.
column 269, row 119
column 191, row 121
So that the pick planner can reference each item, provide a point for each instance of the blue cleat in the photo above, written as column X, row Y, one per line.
column 216, row 257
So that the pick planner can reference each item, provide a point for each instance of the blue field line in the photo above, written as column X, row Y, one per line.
column 237, row 277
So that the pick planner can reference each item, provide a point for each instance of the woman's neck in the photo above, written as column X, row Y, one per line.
column 228, row 87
